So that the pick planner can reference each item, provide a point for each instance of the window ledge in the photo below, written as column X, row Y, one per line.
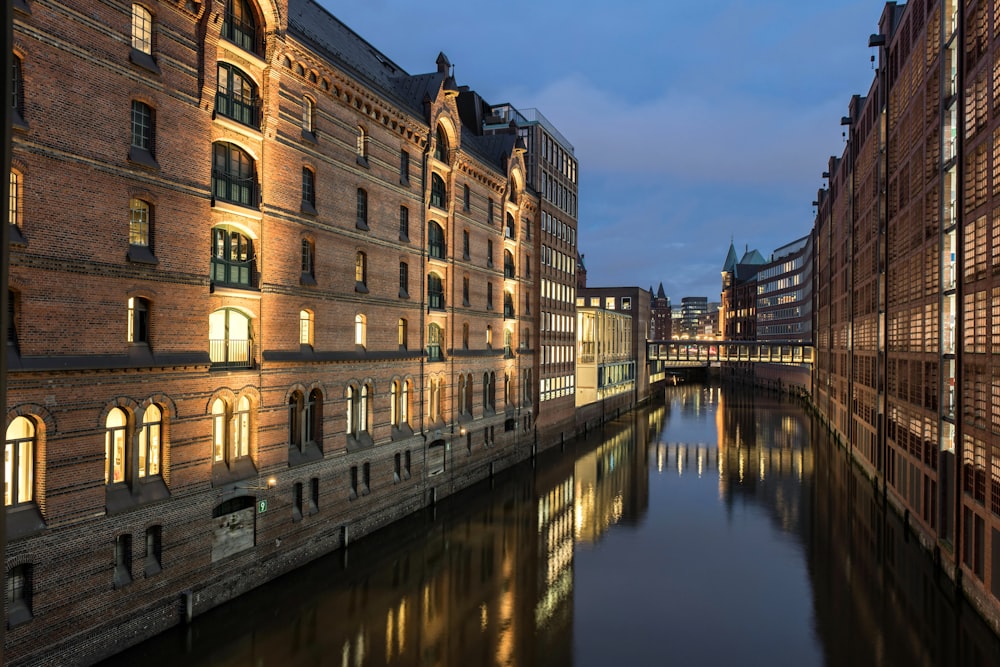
column 308, row 207
column 143, row 60
column 22, row 6
column 404, row 181
column 311, row 452
column 142, row 157
column 141, row 254
column 363, row 161
column 122, row 576
column 403, row 294
column 15, row 236
column 307, row 279
column 309, row 136
column 362, row 225
column 18, row 122
column 361, row 288
column 152, row 567
column 23, row 520
column 18, row 614
column 405, row 238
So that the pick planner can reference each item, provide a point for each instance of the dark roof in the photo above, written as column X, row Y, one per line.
column 730, row 263
column 344, row 48
column 660, row 293
column 752, row 257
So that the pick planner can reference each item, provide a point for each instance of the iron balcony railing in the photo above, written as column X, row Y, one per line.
column 233, row 273
column 231, row 353
column 235, row 107
column 243, row 191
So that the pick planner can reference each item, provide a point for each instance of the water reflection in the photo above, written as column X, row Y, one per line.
column 620, row 548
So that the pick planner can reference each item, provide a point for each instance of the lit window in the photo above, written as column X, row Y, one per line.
column 360, row 330
column 362, row 146
column 14, row 199
column 139, row 223
column 308, row 115
column 114, row 447
column 361, row 271
column 19, row 462
column 149, row 442
column 402, row 334
column 230, row 341
column 305, row 327
column 142, row 30
column 230, row 437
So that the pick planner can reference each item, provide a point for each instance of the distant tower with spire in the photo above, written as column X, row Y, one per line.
column 660, row 315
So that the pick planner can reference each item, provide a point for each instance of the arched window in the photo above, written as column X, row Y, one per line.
column 308, row 118
column 462, row 406
column 435, row 342
column 489, row 336
column 435, row 240
column 230, row 437
column 114, row 447
column 465, row 335
column 508, row 305
column 364, row 414
column 149, row 441
column 229, row 338
column 234, row 176
column 439, row 194
column 362, row 147
column 434, row 400
column 240, row 27
column 305, row 327
column 508, row 342
column 353, row 405
column 508, row 264
column 435, row 292
column 360, row 330
column 232, row 261
column 399, row 407
column 142, row 29
column 394, row 395
column 236, row 96
column 441, row 151
column 493, row 391
column 510, row 229
column 506, row 390
column 19, row 462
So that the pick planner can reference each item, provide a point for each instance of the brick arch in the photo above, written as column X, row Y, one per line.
column 130, row 405
column 139, row 192
column 225, row 393
column 38, row 413
column 165, row 402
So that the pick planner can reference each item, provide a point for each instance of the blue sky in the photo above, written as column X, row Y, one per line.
column 693, row 122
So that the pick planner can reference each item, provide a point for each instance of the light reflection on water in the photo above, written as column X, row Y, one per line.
column 715, row 527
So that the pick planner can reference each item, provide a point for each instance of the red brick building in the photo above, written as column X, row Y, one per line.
column 357, row 341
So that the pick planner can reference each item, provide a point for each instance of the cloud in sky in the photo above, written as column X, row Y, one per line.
column 693, row 122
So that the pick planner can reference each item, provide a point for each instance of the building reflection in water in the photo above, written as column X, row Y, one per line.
column 488, row 577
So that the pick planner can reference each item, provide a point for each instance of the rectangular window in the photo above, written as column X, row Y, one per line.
column 314, row 495
column 404, row 167
column 366, row 481
column 465, row 244
column 297, row 501
column 354, row 483
column 406, row 465
column 465, row 291
column 489, row 252
column 404, row 223
column 404, row 280
column 153, row 550
column 142, row 126
column 397, row 470
column 465, row 197
column 123, row 560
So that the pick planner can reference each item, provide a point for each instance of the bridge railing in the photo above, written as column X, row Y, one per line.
column 702, row 353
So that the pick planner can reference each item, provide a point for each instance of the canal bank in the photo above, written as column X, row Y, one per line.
column 716, row 526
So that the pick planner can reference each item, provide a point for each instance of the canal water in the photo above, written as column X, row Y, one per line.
column 718, row 526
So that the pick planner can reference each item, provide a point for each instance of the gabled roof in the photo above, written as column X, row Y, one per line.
column 752, row 257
